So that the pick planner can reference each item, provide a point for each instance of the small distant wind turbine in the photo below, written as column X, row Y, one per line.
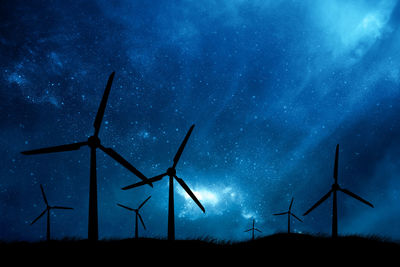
column 252, row 230
column 171, row 172
column 289, row 213
column 48, row 208
column 137, row 214
column 334, row 189
column 93, row 143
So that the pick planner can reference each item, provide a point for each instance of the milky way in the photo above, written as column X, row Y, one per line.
column 272, row 87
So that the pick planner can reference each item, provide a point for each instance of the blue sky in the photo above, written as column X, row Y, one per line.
column 272, row 87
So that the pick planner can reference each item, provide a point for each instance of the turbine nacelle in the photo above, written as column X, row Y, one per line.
column 335, row 187
column 94, row 141
column 171, row 172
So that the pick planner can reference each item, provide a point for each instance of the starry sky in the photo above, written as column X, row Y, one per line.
column 272, row 87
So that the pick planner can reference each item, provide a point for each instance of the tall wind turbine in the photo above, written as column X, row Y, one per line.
column 137, row 214
column 171, row 172
column 334, row 189
column 47, row 210
column 289, row 213
column 252, row 230
column 93, row 142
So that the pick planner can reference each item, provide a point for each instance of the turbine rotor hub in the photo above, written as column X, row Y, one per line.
column 93, row 142
column 171, row 172
column 335, row 187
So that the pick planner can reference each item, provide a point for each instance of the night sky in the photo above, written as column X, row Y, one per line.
column 272, row 87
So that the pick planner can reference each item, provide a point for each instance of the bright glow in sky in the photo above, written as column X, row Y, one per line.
column 203, row 195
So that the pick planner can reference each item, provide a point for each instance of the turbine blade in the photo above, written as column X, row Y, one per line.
column 44, row 195
column 291, row 203
column 182, row 146
column 103, row 104
column 62, row 208
column 41, row 214
column 296, row 217
column 190, row 193
column 356, row 197
column 255, row 229
column 141, row 205
column 335, row 169
column 117, row 157
column 141, row 220
column 282, row 213
column 125, row 207
column 151, row 180
column 247, row 230
column 318, row 203
column 53, row 149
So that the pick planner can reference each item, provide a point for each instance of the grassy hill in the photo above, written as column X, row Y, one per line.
column 293, row 248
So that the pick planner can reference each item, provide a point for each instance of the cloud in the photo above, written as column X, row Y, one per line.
column 350, row 29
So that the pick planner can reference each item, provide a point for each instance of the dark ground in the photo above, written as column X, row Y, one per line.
column 270, row 250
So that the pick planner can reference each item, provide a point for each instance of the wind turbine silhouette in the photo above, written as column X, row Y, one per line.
column 47, row 210
column 171, row 172
column 289, row 213
column 252, row 230
column 334, row 189
column 137, row 214
column 93, row 142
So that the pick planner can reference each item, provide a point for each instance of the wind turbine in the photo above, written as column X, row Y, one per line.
column 93, row 142
column 137, row 214
column 47, row 210
column 289, row 213
column 252, row 230
column 171, row 172
column 334, row 189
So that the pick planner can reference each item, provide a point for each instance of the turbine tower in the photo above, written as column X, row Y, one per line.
column 93, row 143
column 47, row 210
column 289, row 213
column 137, row 214
column 171, row 172
column 333, row 191
column 252, row 230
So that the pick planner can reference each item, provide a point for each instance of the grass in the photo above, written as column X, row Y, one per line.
column 288, row 248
